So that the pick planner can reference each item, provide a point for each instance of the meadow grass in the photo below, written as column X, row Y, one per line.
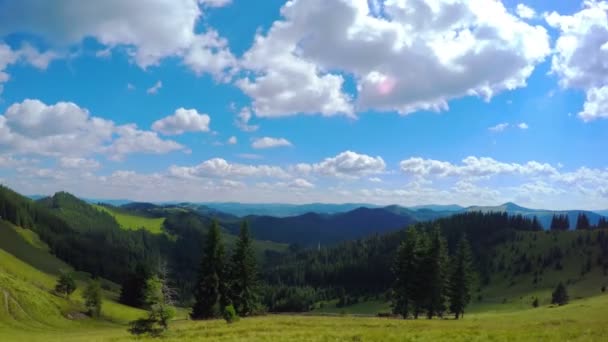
column 134, row 222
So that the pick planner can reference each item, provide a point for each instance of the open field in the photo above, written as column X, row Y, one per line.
column 130, row 221
column 583, row 320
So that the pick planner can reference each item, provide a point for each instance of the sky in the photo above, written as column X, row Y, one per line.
column 470, row 102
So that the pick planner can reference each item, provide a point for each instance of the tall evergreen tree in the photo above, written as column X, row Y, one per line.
column 420, row 292
column 209, row 293
column 132, row 291
column 405, row 270
column 602, row 223
column 560, row 295
column 437, row 269
column 244, row 292
column 461, row 278
column 582, row 222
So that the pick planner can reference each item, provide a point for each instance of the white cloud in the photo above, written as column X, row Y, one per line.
column 209, row 53
column 78, row 163
column 150, row 30
column 268, row 142
column 300, row 183
column 499, row 128
column 182, row 121
column 580, row 52
column 242, row 120
column 525, row 12
column 375, row 180
column 417, row 55
column 596, row 104
column 130, row 86
column 26, row 54
column 523, row 126
column 67, row 130
column 220, row 168
column 153, row 90
column 132, row 140
column 215, row 3
column 474, row 167
column 348, row 164
column 232, row 140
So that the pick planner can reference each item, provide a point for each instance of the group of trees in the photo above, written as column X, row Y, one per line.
column 429, row 281
column 560, row 222
column 224, row 286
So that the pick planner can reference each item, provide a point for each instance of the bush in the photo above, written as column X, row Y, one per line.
column 230, row 314
column 535, row 303
column 65, row 284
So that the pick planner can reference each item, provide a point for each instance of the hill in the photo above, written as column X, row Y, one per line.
column 281, row 209
column 544, row 216
column 312, row 229
column 134, row 219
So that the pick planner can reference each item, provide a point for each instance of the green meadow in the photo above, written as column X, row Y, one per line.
column 133, row 222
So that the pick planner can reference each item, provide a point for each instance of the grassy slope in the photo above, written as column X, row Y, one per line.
column 130, row 221
column 26, row 300
column 583, row 320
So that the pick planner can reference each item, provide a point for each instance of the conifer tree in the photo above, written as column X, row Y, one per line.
column 405, row 270
column 420, row 292
column 209, row 293
column 437, row 269
column 582, row 222
column 243, row 275
column 461, row 278
column 560, row 295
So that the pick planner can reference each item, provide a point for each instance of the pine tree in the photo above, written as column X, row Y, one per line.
column 92, row 298
column 132, row 291
column 437, row 269
column 420, row 292
column 209, row 293
column 560, row 295
column 405, row 269
column 461, row 278
column 243, row 275
column 582, row 222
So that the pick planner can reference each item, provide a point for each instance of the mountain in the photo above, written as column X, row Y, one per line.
column 283, row 210
column 601, row 212
column 544, row 216
column 439, row 207
column 312, row 228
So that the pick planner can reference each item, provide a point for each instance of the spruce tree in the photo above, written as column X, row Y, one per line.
column 582, row 222
column 437, row 269
column 421, row 275
column 405, row 269
column 461, row 278
column 209, row 293
column 243, row 275
column 560, row 295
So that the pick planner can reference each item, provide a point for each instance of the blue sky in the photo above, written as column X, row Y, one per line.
column 396, row 101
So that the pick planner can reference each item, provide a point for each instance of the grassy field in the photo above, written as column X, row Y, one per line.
column 582, row 320
column 130, row 221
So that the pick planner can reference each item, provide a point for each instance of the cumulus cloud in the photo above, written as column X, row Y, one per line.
column 418, row 55
column 27, row 54
column 242, row 120
column 150, row 30
column 153, row 90
column 523, row 126
column 525, row 12
column 580, row 52
column 182, row 121
column 67, row 130
column 474, row 167
column 268, row 142
column 348, row 164
column 220, row 168
column 78, row 163
column 499, row 128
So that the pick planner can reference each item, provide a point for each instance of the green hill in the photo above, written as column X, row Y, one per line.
column 127, row 220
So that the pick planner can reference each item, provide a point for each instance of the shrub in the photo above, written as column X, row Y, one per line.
column 535, row 303
column 230, row 314
column 65, row 284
